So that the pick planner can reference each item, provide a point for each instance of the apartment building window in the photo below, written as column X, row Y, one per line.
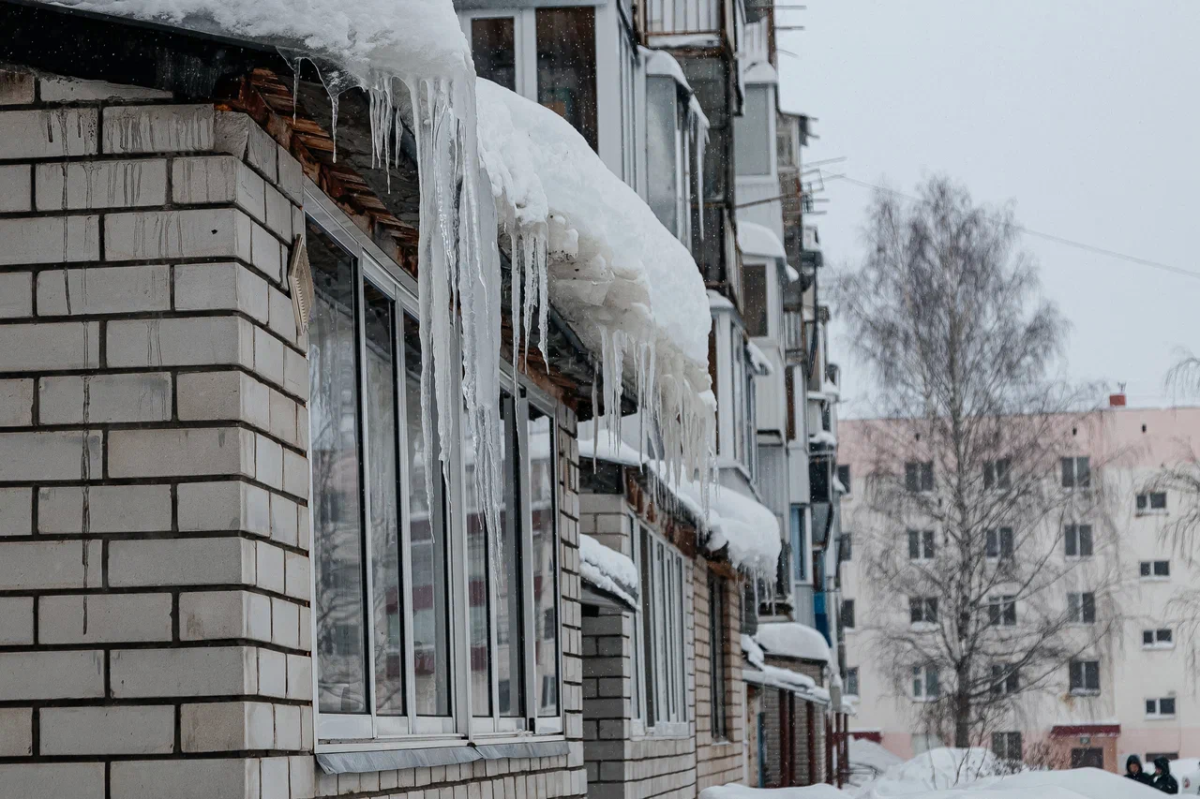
column 566, row 66
column 799, row 548
column 1077, row 540
column 923, row 609
column 848, row 614
column 845, row 547
column 1006, row 679
column 996, row 474
column 667, row 167
column 1084, row 677
column 1161, row 708
column 400, row 574
column 926, row 683
column 918, row 476
column 494, row 49
column 1002, row 611
column 1076, row 472
column 663, row 579
column 920, row 545
column 717, row 636
column 1161, row 638
column 1007, row 746
column 756, row 309
column 843, row 476
column 1152, row 502
column 852, row 681
column 752, row 143
column 1154, row 569
column 1081, row 608
column 1000, row 543
column 1152, row 756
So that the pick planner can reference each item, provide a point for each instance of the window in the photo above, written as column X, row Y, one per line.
column 843, row 476
column 752, row 145
column 400, row 572
column 920, row 545
column 918, row 475
column 923, row 610
column 1163, row 708
column 845, row 547
column 493, row 48
column 1084, row 677
column 1076, row 472
column 566, row 66
column 755, row 309
column 1087, row 757
column 926, row 686
column 1158, row 639
column 1002, row 611
column 1007, row 746
column 1000, row 543
column 1081, row 608
column 1155, row 569
column 1077, row 539
column 996, row 474
column 848, row 614
column 852, row 681
column 1152, row 502
column 1005, row 679
column 717, row 635
column 662, row 571
column 1152, row 756
column 667, row 165
column 799, row 561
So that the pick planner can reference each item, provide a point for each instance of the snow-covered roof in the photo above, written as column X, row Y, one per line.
column 761, row 72
column 823, row 437
column 755, row 239
column 608, row 569
column 792, row 274
column 758, row 360
column 793, row 640
column 718, row 301
column 661, row 62
column 778, row 677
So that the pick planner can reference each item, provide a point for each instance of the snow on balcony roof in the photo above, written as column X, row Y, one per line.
column 778, row 677
column 792, row 640
column 792, row 274
column 755, row 239
column 629, row 289
column 660, row 62
column 608, row 569
column 758, row 360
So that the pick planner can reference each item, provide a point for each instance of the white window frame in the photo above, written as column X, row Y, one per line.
column 1074, row 532
column 998, row 610
column 998, row 472
column 924, row 603
column 998, row 532
column 769, row 177
column 664, row 594
column 524, row 43
column 1076, row 472
column 1083, row 663
column 920, row 683
column 1144, row 504
column 1077, row 607
column 364, row 732
column 1000, row 682
column 852, row 681
column 1156, row 713
column 1155, row 641
column 926, row 545
column 1152, row 577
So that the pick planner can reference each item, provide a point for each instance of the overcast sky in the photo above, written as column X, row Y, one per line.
column 1085, row 113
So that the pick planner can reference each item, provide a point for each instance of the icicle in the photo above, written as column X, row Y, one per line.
column 336, row 80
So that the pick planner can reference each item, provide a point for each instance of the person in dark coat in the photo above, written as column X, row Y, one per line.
column 1163, row 780
column 1135, row 772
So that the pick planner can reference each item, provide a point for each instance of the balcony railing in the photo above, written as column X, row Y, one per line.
column 706, row 23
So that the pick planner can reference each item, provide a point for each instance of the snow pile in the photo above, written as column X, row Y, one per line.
column 955, row 782
column 758, row 360
column 823, row 437
column 755, row 239
column 793, row 640
column 736, row 791
column 629, row 288
column 869, row 760
column 608, row 569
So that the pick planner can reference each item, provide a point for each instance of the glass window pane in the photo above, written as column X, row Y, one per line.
column 754, row 299
column 493, row 49
column 566, row 66
column 510, row 638
column 477, row 583
column 383, row 471
column 662, row 150
column 334, row 459
column 751, row 134
column 427, row 537
column 649, row 630
column 544, row 552
column 797, row 523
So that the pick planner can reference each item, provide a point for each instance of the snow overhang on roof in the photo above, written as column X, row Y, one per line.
column 608, row 571
column 776, row 677
column 761, row 73
column 793, row 640
column 758, row 240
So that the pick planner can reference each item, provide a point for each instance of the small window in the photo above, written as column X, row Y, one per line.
column 996, row 475
column 923, row 609
column 662, row 631
column 755, row 309
column 1161, row 638
column 1152, row 502
column 918, row 475
column 920, row 545
column 1000, row 543
column 926, row 685
column 1161, row 708
column 1081, row 608
column 1006, row 746
column 799, row 562
column 845, row 547
column 752, row 133
column 1084, row 677
column 848, row 614
column 1076, row 472
column 843, row 476
column 1006, row 679
column 1002, row 611
column 1077, row 540
column 718, row 635
column 852, row 681
column 1155, row 569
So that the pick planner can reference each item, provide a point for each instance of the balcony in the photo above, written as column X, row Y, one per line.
column 693, row 24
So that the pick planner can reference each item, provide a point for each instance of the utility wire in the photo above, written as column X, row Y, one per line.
column 1175, row 270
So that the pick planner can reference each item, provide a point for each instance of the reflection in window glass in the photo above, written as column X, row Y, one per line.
column 751, row 134
column 510, row 638
column 544, row 552
column 477, row 583
column 334, row 459
column 493, row 49
column 383, row 471
column 430, row 608
column 662, row 150
column 566, row 66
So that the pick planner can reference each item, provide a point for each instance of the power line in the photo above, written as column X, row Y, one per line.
column 1175, row 270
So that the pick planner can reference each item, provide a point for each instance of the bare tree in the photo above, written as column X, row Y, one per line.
column 976, row 487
